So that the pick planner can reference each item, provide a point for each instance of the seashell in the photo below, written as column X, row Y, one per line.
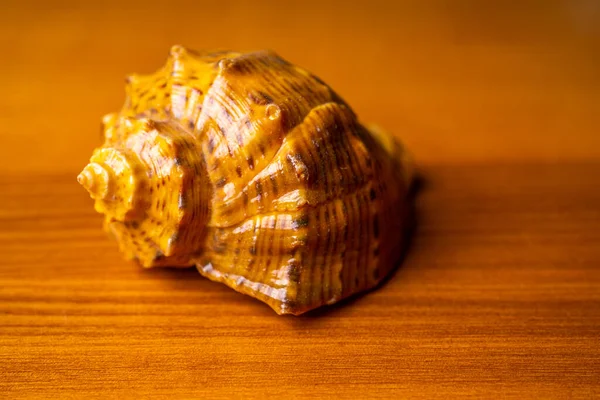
column 257, row 173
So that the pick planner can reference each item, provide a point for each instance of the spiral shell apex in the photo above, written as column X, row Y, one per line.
column 257, row 173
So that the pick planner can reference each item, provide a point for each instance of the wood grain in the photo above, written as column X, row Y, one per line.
column 499, row 294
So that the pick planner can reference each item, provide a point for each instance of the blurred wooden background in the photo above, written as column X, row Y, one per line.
column 499, row 294
column 459, row 81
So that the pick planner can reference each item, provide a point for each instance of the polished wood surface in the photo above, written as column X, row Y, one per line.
column 499, row 294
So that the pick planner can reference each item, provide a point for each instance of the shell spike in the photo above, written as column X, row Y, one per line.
column 177, row 51
column 131, row 79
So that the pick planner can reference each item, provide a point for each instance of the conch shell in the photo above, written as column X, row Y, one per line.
column 257, row 173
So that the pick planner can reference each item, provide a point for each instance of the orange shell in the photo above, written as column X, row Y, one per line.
column 256, row 172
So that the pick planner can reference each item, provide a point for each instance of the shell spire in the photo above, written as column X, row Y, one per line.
column 257, row 173
column 96, row 180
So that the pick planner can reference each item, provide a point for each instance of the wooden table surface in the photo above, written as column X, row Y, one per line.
column 499, row 295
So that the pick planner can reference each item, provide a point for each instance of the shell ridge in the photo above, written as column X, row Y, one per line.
column 206, row 119
column 287, row 133
column 291, row 135
column 274, row 82
column 277, row 298
column 305, row 207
